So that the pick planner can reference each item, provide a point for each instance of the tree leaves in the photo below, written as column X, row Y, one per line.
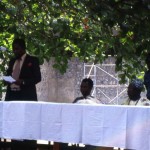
column 88, row 29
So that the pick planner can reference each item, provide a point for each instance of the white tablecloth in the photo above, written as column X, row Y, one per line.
column 100, row 125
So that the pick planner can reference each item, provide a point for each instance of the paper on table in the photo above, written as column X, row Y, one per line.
column 9, row 79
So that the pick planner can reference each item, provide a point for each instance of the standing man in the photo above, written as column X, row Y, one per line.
column 25, row 70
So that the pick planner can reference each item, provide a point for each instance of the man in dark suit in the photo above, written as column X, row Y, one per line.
column 24, row 88
column 27, row 75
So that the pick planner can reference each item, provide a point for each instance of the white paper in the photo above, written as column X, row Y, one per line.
column 9, row 79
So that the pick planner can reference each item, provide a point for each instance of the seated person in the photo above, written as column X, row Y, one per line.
column 134, row 94
column 86, row 98
column 86, row 88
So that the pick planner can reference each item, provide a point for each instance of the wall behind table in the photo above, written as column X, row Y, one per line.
column 56, row 87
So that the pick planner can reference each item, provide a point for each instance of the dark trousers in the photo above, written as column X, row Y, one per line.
column 64, row 146
column 23, row 145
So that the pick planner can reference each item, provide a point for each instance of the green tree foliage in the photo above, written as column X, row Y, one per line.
column 88, row 29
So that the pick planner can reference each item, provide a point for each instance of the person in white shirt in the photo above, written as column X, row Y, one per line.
column 86, row 88
column 134, row 94
column 86, row 98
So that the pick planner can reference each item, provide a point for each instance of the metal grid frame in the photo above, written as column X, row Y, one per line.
column 92, row 73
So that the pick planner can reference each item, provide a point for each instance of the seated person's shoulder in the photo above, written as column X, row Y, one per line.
column 145, row 101
column 95, row 100
column 89, row 100
column 77, row 99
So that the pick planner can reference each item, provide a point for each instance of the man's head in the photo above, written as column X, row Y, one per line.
column 148, row 61
column 86, row 87
column 134, row 89
column 19, row 47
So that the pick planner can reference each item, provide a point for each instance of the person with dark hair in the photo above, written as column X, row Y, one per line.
column 86, row 88
column 147, row 77
column 86, row 98
column 134, row 93
column 134, row 90
column 25, row 69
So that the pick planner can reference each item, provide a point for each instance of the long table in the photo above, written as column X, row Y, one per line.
column 100, row 125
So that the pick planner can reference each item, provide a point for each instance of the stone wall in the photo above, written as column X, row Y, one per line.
column 65, row 88
column 56, row 87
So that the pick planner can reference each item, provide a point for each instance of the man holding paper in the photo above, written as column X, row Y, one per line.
column 23, row 74
column 25, row 71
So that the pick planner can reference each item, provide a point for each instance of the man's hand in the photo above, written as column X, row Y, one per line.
column 18, row 82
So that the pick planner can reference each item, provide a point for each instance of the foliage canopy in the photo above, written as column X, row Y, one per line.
column 88, row 29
